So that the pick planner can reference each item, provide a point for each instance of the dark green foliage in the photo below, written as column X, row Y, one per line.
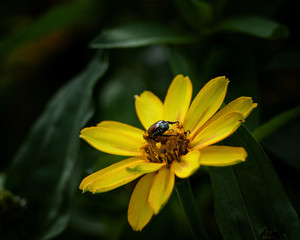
column 46, row 171
column 249, row 196
column 146, row 43
column 141, row 34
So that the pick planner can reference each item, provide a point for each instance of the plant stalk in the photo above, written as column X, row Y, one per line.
column 188, row 203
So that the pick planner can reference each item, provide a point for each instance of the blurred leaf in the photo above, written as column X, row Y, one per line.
column 254, row 26
column 115, row 92
column 141, row 34
column 63, row 16
column 195, row 12
column 45, row 171
column 249, row 196
column 178, row 63
column 181, row 64
column 275, row 123
column 284, row 144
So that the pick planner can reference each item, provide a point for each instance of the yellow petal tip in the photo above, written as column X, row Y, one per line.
column 226, row 80
column 155, row 212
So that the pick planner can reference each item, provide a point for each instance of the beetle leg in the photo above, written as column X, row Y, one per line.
column 172, row 122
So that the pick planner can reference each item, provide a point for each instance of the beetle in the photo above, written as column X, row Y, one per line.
column 159, row 128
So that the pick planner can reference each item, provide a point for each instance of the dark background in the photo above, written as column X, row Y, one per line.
column 45, row 44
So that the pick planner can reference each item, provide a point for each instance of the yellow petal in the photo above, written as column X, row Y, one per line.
column 123, row 128
column 112, row 177
column 145, row 167
column 187, row 164
column 161, row 188
column 205, row 104
column 115, row 138
column 217, row 130
column 244, row 105
column 222, row 155
column 178, row 99
column 149, row 108
column 139, row 211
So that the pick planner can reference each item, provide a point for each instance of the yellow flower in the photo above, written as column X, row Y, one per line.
column 158, row 156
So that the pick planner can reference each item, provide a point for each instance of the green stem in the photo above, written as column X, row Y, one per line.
column 189, row 206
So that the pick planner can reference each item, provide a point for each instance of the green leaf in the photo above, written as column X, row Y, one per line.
column 141, row 34
column 46, row 172
column 254, row 26
column 178, row 63
column 249, row 197
column 275, row 123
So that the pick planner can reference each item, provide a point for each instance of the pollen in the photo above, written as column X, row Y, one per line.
column 167, row 147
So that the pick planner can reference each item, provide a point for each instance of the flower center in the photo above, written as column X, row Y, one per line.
column 167, row 147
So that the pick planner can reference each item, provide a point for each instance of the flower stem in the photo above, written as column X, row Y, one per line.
column 187, row 200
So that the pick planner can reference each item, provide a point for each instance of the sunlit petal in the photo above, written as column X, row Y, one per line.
column 139, row 210
column 205, row 104
column 178, row 99
column 112, row 177
column 218, row 156
column 217, row 130
column 145, row 167
column 187, row 164
column 149, row 108
column 161, row 188
column 114, row 138
column 244, row 105
column 124, row 129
